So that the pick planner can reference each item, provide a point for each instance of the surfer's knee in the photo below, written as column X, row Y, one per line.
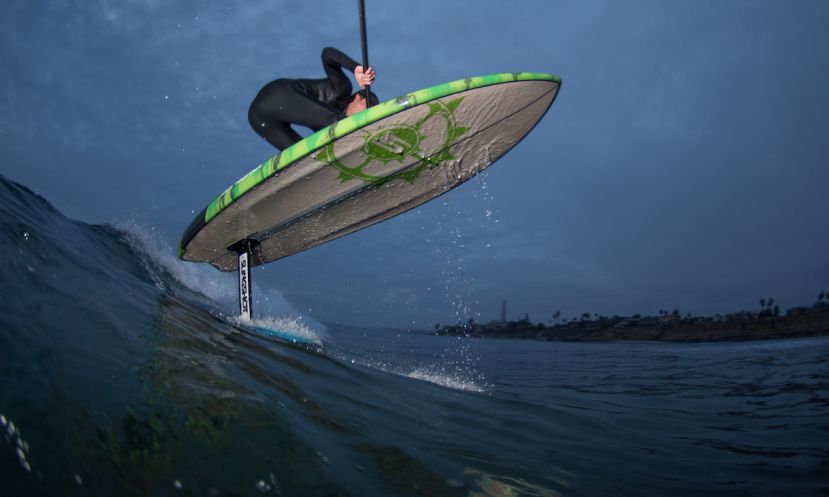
column 255, row 118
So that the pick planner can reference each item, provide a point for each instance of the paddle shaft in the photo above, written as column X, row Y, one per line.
column 365, row 47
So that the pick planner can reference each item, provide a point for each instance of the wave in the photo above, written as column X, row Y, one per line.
column 130, row 374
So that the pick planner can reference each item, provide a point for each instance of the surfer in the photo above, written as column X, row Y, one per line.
column 315, row 103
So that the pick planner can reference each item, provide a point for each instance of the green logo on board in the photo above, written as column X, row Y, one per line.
column 399, row 150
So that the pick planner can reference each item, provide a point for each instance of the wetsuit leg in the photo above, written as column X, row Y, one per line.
column 278, row 105
column 279, row 134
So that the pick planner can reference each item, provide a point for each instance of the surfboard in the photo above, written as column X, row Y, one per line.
column 367, row 168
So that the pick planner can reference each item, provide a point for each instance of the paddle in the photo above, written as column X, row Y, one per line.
column 365, row 48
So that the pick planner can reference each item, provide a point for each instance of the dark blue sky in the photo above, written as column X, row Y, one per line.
column 684, row 164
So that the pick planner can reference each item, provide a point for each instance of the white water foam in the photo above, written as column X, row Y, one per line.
column 215, row 285
column 293, row 325
column 455, row 382
column 219, row 287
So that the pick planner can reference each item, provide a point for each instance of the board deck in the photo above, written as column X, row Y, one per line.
column 369, row 167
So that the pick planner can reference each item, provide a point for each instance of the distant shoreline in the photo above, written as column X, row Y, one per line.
column 797, row 323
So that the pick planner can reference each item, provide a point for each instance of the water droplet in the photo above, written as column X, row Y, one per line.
column 262, row 486
column 26, row 235
column 177, row 484
column 78, row 479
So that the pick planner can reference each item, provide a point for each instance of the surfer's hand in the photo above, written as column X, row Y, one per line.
column 366, row 78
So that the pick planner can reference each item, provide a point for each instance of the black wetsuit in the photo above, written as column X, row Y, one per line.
column 315, row 103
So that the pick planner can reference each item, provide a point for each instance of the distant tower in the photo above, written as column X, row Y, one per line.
column 504, row 311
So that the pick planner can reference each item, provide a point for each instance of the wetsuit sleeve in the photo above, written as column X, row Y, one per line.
column 333, row 60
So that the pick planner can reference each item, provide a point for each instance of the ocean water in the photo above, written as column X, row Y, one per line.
column 123, row 372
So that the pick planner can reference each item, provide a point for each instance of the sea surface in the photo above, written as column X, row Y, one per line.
column 123, row 372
